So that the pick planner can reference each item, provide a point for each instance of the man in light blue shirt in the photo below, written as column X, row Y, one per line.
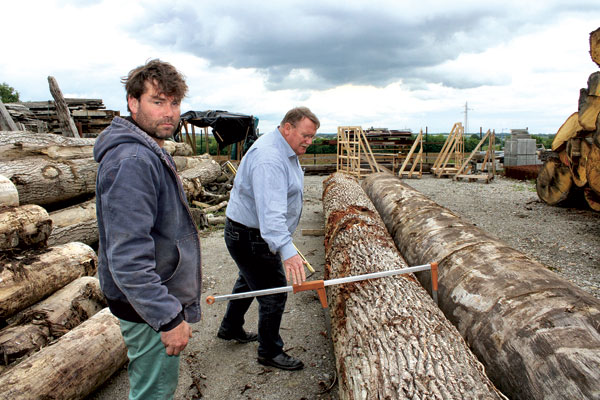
column 263, row 212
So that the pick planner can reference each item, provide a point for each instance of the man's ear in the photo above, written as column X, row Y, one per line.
column 133, row 104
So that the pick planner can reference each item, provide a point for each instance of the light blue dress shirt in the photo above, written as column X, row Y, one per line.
column 267, row 192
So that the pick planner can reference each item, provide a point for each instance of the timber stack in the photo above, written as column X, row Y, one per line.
column 390, row 339
column 571, row 171
column 89, row 115
column 537, row 334
column 48, row 296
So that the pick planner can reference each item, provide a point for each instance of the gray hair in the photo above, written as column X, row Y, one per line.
column 297, row 114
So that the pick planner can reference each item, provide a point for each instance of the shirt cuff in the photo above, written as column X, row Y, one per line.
column 288, row 250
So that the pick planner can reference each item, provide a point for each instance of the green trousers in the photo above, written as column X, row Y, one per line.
column 153, row 374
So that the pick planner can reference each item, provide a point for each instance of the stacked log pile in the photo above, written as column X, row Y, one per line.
column 46, row 293
column 571, row 172
column 390, row 339
column 537, row 334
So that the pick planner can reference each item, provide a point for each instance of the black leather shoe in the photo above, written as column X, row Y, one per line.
column 240, row 336
column 282, row 361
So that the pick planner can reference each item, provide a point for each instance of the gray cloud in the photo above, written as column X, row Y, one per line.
column 315, row 45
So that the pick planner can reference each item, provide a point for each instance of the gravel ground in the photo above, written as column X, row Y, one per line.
column 565, row 240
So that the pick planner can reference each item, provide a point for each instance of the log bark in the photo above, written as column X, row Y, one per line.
column 194, row 179
column 16, row 145
column 77, row 223
column 593, row 169
column 43, row 181
column 554, row 183
column 71, row 368
column 29, row 277
column 593, row 84
column 67, row 125
column 23, row 227
column 589, row 108
column 390, row 339
column 51, row 318
column 595, row 46
column 9, row 196
column 178, row 148
column 186, row 162
column 536, row 333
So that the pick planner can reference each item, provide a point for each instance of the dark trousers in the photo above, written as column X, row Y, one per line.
column 258, row 269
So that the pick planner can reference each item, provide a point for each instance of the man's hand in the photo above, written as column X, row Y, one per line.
column 177, row 338
column 294, row 269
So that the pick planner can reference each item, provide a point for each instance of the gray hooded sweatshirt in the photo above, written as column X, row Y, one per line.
column 149, row 249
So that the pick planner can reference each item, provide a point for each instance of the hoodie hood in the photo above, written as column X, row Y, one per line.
column 123, row 131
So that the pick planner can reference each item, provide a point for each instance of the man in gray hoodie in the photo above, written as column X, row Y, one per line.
column 149, row 248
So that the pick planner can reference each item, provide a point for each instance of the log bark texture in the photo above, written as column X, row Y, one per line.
column 43, row 181
column 16, row 145
column 194, row 179
column 9, row 196
column 77, row 223
column 593, row 169
column 589, row 108
column 28, row 278
column 73, row 366
column 51, row 318
column 186, row 162
column 537, row 334
column 390, row 339
column 23, row 227
column 6, row 121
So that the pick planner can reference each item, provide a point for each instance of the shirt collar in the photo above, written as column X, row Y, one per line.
column 288, row 149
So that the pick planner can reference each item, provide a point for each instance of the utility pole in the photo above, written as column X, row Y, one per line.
column 466, row 112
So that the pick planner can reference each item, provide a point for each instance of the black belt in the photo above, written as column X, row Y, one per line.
column 241, row 226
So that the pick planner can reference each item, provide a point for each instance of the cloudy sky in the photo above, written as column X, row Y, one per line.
column 395, row 64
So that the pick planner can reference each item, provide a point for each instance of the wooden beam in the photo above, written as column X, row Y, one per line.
column 67, row 125
column 6, row 121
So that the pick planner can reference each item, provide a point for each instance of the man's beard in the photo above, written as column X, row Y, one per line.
column 152, row 127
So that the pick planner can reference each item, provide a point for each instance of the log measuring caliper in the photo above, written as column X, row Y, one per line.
column 319, row 285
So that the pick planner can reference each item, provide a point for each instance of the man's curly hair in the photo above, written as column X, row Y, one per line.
column 163, row 75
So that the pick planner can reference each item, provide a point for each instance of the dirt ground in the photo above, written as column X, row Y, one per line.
column 212, row 368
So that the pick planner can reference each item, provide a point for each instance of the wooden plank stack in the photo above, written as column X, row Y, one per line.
column 90, row 116
column 571, row 172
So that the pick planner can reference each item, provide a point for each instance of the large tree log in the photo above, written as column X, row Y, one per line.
column 194, row 179
column 43, row 181
column 9, row 196
column 6, row 121
column 390, row 339
column 51, row 318
column 71, row 368
column 569, row 129
column 579, row 166
column 186, row 162
column 28, row 278
column 16, row 145
column 67, row 125
column 595, row 46
column 554, row 183
column 77, row 223
column 537, row 334
column 24, row 227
